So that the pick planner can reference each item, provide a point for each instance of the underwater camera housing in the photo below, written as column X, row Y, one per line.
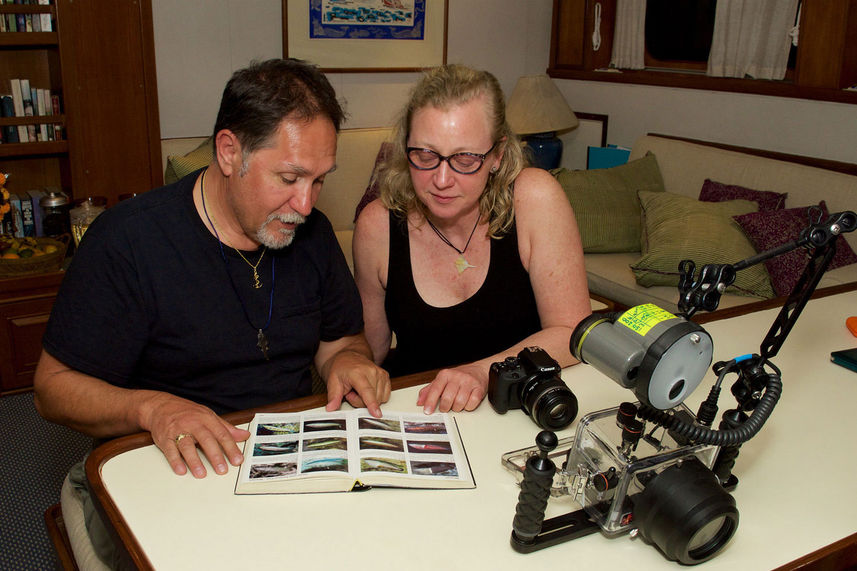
column 652, row 484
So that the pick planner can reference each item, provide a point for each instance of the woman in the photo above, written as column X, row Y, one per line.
column 467, row 256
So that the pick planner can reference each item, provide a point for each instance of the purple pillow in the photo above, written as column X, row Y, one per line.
column 374, row 189
column 772, row 228
column 718, row 192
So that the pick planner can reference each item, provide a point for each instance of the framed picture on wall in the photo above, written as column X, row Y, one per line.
column 366, row 35
column 591, row 132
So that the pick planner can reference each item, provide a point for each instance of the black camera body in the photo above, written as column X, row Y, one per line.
column 531, row 381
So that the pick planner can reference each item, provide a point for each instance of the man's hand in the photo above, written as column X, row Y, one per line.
column 461, row 388
column 179, row 426
column 358, row 380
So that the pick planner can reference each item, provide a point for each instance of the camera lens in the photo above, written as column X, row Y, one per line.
column 686, row 512
column 549, row 402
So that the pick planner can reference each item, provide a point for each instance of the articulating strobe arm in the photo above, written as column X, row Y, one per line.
column 705, row 291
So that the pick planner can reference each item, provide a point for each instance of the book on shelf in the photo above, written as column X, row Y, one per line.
column 28, row 225
column 29, row 110
column 36, row 198
column 42, row 109
column 18, row 101
column 352, row 450
column 17, row 229
column 46, row 23
column 7, row 109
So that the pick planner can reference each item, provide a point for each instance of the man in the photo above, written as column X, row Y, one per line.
column 216, row 293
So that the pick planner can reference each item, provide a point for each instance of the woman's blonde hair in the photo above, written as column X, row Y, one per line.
column 444, row 87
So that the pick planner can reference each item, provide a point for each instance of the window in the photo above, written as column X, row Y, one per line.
column 678, row 35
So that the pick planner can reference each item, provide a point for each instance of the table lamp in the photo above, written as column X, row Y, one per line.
column 536, row 111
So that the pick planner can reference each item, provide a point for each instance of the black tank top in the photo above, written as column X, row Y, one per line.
column 501, row 312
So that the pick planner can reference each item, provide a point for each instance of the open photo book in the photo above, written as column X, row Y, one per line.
column 344, row 451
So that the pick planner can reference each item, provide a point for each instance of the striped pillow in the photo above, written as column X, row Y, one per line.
column 179, row 167
column 605, row 203
column 682, row 228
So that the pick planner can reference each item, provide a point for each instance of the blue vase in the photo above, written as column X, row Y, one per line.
column 545, row 150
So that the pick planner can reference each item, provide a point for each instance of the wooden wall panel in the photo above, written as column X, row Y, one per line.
column 108, row 62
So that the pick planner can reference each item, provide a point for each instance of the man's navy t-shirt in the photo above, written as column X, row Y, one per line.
column 147, row 303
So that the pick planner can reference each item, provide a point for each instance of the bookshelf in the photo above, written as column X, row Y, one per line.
column 100, row 58
column 34, row 56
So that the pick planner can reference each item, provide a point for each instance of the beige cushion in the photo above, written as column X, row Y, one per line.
column 75, row 525
column 679, row 228
column 605, row 203
column 356, row 150
column 179, row 166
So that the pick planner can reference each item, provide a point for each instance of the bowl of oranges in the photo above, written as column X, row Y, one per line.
column 25, row 256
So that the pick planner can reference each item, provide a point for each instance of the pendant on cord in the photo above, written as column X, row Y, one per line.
column 262, row 343
column 461, row 264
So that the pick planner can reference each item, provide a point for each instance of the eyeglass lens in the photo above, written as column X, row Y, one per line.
column 464, row 163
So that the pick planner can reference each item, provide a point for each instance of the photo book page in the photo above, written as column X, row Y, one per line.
column 343, row 451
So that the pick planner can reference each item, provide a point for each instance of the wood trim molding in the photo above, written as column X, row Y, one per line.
column 827, row 164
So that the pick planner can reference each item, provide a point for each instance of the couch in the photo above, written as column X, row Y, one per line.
column 682, row 169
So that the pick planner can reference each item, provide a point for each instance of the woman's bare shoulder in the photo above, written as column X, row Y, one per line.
column 537, row 189
column 373, row 218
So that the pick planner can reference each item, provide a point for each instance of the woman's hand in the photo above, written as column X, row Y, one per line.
column 457, row 389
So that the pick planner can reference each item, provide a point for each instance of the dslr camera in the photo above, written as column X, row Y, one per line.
column 532, row 383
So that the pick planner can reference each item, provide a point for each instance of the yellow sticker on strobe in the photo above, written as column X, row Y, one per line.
column 642, row 318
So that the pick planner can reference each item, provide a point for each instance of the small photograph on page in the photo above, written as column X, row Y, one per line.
column 334, row 443
column 429, row 447
column 270, row 428
column 325, row 465
column 372, row 423
column 448, row 469
column 379, row 443
column 377, row 464
column 275, row 448
column 327, row 424
column 273, row 470
column 425, row 427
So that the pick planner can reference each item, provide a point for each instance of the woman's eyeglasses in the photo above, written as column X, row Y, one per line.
column 462, row 163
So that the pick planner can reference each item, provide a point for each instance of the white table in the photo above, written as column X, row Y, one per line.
column 795, row 494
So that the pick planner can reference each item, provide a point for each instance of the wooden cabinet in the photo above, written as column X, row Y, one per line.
column 107, row 53
column 25, row 305
column 100, row 59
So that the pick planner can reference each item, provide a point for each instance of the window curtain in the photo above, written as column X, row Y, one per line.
column 752, row 38
column 629, row 35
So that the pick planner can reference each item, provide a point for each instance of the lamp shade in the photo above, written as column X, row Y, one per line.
column 537, row 106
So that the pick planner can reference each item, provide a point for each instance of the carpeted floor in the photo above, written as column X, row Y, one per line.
column 35, row 456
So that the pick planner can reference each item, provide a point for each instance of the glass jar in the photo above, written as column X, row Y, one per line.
column 55, row 219
column 84, row 212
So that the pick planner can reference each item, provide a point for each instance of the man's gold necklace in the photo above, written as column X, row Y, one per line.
column 261, row 339
column 257, row 283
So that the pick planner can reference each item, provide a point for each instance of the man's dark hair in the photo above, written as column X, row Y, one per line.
column 257, row 99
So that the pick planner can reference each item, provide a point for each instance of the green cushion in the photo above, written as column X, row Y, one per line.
column 605, row 203
column 682, row 228
column 180, row 167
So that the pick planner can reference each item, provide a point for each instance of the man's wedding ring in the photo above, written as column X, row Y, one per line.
column 180, row 436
